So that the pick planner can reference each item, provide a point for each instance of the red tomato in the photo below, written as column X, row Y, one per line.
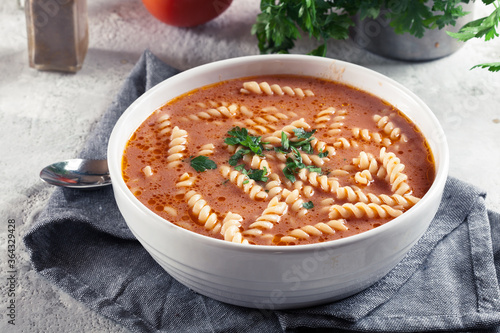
column 186, row 13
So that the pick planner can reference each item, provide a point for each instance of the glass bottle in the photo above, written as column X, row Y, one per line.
column 57, row 34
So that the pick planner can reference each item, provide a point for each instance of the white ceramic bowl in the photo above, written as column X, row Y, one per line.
column 278, row 277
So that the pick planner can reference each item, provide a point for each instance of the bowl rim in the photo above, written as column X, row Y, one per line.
column 115, row 165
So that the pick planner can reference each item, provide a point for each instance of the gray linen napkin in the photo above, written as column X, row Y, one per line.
column 447, row 282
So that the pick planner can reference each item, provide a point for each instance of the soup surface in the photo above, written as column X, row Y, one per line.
column 278, row 160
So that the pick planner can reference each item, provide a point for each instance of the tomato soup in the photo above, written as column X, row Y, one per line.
column 278, row 160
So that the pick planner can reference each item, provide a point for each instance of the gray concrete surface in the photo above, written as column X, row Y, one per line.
column 46, row 117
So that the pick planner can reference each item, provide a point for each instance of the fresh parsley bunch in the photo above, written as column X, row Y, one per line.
column 483, row 27
column 282, row 22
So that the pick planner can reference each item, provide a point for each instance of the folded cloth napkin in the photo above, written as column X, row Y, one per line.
column 448, row 280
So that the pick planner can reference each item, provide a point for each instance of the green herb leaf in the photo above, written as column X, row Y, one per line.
column 285, row 143
column 303, row 134
column 240, row 136
column 240, row 168
column 312, row 168
column 236, row 157
column 303, row 142
column 293, row 164
column 308, row 205
column 202, row 163
column 258, row 174
column 482, row 27
column 492, row 66
column 255, row 174
column 289, row 173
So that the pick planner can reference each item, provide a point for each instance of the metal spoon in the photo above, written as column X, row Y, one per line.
column 77, row 173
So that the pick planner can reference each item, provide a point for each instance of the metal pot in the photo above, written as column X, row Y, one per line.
column 377, row 36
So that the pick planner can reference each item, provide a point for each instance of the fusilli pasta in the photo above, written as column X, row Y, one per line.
column 360, row 209
column 177, row 145
column 265, row 88
column 230, row 229
column 203, row 212
column 243, row 182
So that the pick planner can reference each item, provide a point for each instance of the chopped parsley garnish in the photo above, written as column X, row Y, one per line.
column 202, row 163
column 285, row 142
column 252, row 144
column 323, row 153
column 233, row 160
column 303, row 142
column 314, row 169
column 240, row 136
column 308, row 205
column 294, row 164
column 303, row 134
column 255, row 174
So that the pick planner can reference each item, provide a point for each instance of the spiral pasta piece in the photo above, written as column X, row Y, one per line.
column 265, row 88
column 317, row 229
column 306, row 190
column 231, row 228
column 324, row 116
column 257, row 162
column 294, row 200
column 177, row 146
column 321, row 146
column 273, row 187
column 345, row 143
column 254, row 127
column 301, row 123
column 395, row 175
column 207, row 150
column 273, row 114
column 387, row 126
column 327, row 184
column 170, row 210
column 203, row 213
column 366, row 135
column 338, row 173
column 366, row 162
column 352, row 194
column 223, row 111
column 211, row 104
column 185, row 180
column 274, row 139
column 271, row 215
column 309, row 159
column 404, row 201
column 273, row 117
column 331, row 184
column 363, row 177
column 243, row 182
column 361, row 209
column 164, row 125
column 335, row 128
column 148, row 172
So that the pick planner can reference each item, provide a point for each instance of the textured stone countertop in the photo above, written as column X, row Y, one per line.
column 46, row 117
